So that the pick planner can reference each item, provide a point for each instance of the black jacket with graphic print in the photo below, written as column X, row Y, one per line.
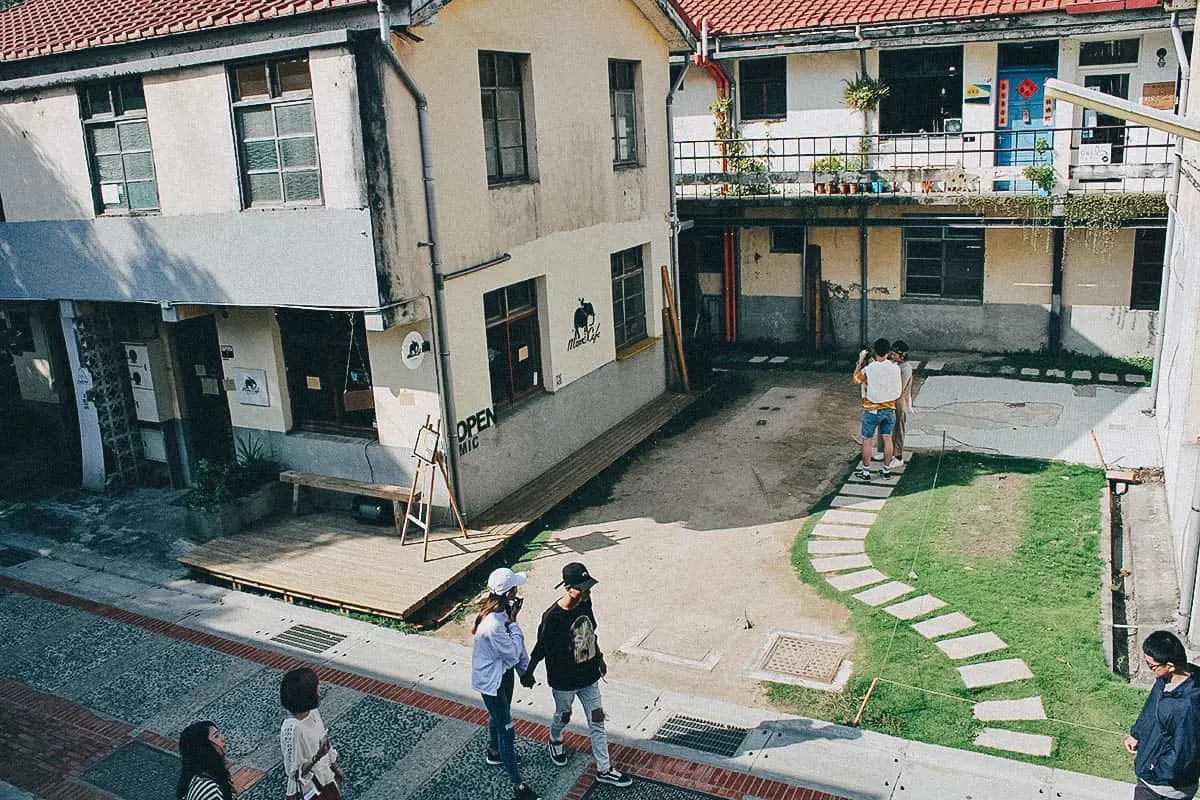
column 567, row 641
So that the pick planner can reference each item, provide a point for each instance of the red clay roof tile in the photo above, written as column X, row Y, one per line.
column 757, row 16
column 39, row 27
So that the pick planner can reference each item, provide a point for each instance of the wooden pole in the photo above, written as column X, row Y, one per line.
column 866, row 698
column 669, row 294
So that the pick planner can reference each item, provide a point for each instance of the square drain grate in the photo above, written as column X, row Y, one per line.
column 801, row 657
column 702, row 735
column 308, row 638
column 135, row 771
column 11, row 556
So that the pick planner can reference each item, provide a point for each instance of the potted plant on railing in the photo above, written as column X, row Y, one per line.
column 1042, row 175
column 863, row 94
column 825, row 172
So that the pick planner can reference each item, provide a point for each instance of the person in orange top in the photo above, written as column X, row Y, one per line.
column 880, row 379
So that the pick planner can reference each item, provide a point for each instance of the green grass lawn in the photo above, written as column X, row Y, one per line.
column 1013, row 544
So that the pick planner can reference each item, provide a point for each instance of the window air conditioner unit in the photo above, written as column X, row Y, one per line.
column 1095, row 155
column 953, row 125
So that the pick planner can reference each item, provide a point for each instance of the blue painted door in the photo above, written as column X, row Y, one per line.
column 1021, row 120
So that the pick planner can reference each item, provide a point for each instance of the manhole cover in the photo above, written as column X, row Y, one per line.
column 308, row 638
column 800, row 657
column 643, row 789
column 700, row 734
column 135, row 771
column 11, row 556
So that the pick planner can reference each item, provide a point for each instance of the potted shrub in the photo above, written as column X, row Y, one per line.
column 1041, row 174
column 830, row 165
column 227, row 496
column 863, row 93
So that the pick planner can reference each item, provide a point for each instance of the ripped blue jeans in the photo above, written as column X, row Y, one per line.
column 589, row 696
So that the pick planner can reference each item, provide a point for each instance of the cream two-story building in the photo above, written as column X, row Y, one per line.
column 305, row 228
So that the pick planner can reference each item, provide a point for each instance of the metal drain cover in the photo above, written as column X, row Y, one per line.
column 702, row 735
column 308, row 638
column 11, row 556
column 802, row 657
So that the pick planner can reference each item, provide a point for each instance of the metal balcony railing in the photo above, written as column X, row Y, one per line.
column 1116, row 158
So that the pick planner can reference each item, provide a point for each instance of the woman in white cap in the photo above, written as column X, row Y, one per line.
column 499, row 647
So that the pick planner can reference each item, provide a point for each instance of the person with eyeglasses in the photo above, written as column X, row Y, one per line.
column 1165, row 740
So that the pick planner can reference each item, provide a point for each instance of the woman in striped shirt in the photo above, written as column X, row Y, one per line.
column 203, row 773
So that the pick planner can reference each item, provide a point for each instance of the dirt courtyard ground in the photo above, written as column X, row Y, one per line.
column 693, row 546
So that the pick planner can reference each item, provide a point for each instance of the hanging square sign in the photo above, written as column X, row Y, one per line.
column 1027, row 88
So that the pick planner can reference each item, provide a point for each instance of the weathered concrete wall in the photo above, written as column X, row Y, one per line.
column 38, row 370
column 202, row 247
column 946, row 325
column 573, row 184
column 253, row 334
column 539, row 433
column 318, row 256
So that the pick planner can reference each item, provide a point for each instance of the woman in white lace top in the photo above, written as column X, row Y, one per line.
column 309, row 760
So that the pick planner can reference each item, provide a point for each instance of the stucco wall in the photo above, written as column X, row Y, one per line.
column 41, row 146
column 253, row 334
column 568, row 131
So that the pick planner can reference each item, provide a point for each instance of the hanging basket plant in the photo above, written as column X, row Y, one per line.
column 863, row 93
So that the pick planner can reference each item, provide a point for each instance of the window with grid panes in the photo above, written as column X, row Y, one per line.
column 513, row 342
column 1149, row 248
column 277, row 134
column 503, row 104
column 118, row 141
column 763, row 85
column 629, row 297
column 943, row 261
column 623, row 100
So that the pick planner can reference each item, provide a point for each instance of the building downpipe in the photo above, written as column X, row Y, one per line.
column 444, row 374
column 674, row 220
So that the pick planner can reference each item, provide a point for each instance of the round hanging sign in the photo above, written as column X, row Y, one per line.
column 414, row 349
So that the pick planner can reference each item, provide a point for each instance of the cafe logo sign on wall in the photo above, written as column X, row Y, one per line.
column 585, row 330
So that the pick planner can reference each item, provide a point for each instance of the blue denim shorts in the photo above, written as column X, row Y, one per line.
column 882, row 420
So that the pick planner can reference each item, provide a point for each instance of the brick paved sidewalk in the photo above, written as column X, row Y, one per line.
column 92, row 698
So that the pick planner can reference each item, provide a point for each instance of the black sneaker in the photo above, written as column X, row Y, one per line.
column 862, row 474
column 492, row 757
column 523, row 792
column 614, row 778
column 558, row 754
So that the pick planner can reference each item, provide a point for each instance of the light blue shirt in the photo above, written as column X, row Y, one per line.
column 499, row 645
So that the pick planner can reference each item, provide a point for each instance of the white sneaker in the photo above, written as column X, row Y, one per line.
column 896, row 462
column 877, row 456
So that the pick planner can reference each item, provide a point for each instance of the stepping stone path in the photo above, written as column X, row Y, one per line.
column 991, row 673
column 778, row 360
column 1030, row 372
column 757, row 359
column 837, row 548
column 855, row 580
column 995, row 710
column 1029, row 743
column 947, row 623
column 976, row 644
column 917, row 607
column 1081, row 375
column 858, row 503
column 884, row 594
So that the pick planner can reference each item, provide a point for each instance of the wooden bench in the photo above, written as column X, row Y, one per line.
column 399, row 495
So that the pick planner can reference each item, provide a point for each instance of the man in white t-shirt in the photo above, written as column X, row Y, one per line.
column 881, row 382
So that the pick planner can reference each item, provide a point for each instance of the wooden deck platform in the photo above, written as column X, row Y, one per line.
column 331, row 559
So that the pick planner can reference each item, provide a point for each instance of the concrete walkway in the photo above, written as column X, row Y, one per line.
column 905, row 602
column 1035, row 420
column 143, row 636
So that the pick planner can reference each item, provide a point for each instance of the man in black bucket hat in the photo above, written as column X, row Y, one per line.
column 566, row 639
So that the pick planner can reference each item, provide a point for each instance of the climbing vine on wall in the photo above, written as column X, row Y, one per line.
column 1102, row 214
column 734, row 149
